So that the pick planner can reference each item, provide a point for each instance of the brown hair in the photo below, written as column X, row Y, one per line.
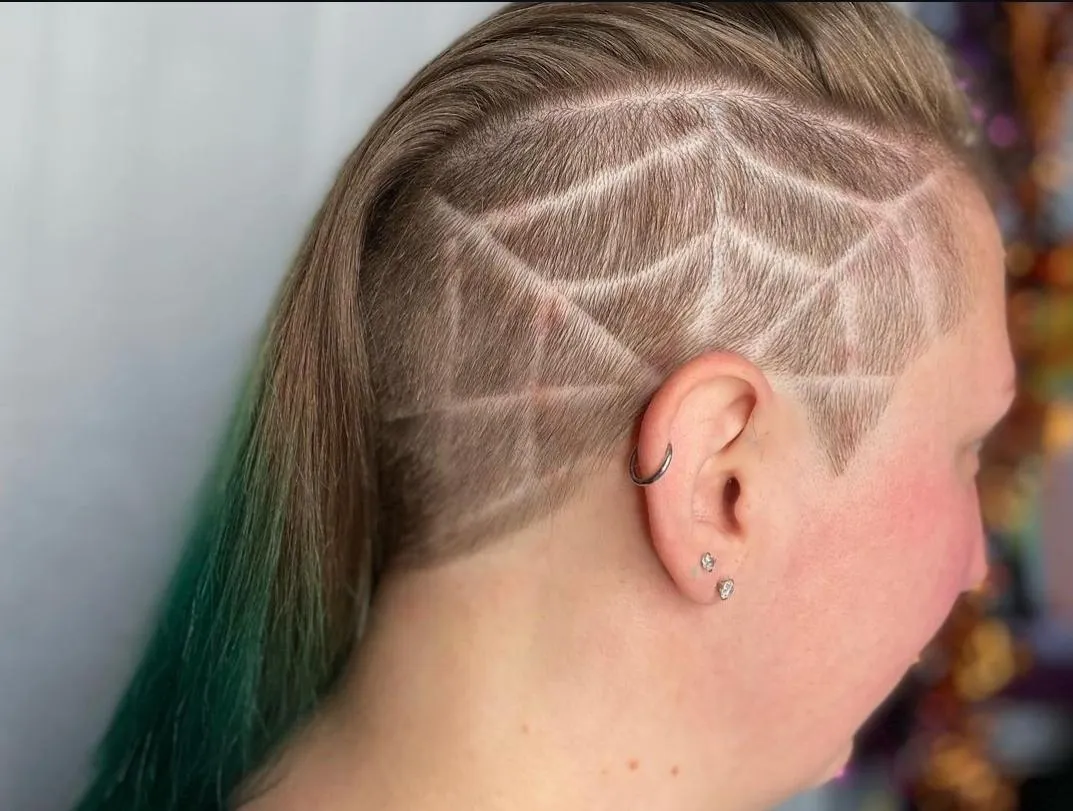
column 566, row 204
column 583, row 196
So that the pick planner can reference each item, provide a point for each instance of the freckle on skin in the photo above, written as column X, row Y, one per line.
column 633, row 764
column 525, row 729
column 674, row 771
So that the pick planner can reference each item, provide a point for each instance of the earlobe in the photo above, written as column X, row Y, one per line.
column 719, row 524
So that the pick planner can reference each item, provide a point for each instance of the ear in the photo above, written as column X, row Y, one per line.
column 705, row 416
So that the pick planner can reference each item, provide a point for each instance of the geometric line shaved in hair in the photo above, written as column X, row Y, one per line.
column 571, row 255
column 568, row 203
column 533, row 286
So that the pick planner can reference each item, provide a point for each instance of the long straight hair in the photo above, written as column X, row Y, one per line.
column 282, row 559
column 278, row 569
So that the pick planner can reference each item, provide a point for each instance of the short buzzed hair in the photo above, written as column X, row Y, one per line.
column 529, row 288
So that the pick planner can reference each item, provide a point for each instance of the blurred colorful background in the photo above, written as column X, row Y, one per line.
column 985, row 723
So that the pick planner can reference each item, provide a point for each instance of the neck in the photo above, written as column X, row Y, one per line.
column 489, row 683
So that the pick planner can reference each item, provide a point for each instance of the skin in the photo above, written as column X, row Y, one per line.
column 587, row 663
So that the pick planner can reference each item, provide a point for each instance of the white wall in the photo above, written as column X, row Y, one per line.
column 158, row 164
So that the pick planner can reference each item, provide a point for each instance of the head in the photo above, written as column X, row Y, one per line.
column 742, row 233
column 749, row 233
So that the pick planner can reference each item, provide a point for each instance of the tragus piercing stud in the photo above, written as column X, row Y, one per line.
column 707, row 562
column 725, row 589
column 655, row 477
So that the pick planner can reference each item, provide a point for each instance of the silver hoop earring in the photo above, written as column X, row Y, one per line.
column 655, row 477
column 725, row 589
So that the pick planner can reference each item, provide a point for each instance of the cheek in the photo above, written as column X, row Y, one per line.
column 940, row 536
column 915, row 541
column 880, row 576
column 865, row 582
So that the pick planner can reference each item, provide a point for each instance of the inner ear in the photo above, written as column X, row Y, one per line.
column 731, row 497
column 717, row 497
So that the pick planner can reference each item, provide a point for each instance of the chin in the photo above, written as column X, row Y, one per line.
column 897, row 673
column 839, row 764
column 832, row 770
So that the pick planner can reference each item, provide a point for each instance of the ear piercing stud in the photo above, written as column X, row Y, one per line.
column 725, row 588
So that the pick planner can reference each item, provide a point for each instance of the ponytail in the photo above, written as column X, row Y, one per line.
column 279, row 567
column 277, row 573
column 268, row 598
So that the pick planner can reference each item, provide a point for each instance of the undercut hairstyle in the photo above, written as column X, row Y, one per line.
column 568, row 203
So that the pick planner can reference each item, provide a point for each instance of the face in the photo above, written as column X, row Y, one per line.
column 862, row 570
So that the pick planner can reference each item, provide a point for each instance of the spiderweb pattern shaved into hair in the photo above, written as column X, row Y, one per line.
column 569, row 202
column 570, row 259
